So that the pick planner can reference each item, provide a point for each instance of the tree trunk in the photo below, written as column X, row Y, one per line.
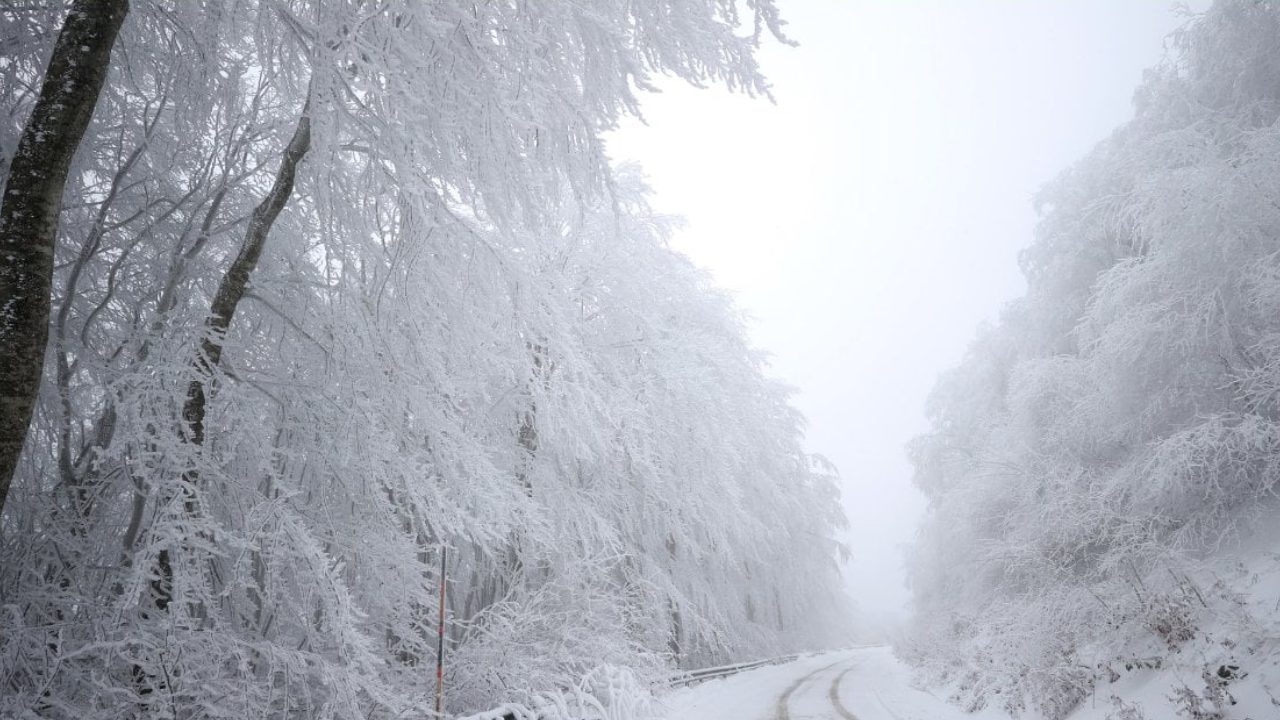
column 231, row 290
column 30, row 205
column 236, row 282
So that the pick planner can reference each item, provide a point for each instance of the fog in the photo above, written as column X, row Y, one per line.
column 871, row 219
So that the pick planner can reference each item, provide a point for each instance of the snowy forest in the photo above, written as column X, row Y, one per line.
column 294, row 296
column 1102, row 469
column 348, row 370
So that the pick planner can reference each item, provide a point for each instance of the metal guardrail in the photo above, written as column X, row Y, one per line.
column 514, row 711
column 692, row 677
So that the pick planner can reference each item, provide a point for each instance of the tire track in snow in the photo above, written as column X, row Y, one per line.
column 834, row 695
column 782, row 713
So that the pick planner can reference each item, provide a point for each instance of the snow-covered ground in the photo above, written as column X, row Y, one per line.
column 1233, row 659
column 1237, row 631
column 859, row 684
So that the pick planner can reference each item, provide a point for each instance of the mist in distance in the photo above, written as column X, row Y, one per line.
column 871, row 219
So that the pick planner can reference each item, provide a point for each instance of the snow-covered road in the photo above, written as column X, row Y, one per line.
column 860, row 684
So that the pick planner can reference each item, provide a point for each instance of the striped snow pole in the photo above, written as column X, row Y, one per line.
column 440, row 641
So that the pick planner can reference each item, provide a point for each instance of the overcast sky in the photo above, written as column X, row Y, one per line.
column 872, row 218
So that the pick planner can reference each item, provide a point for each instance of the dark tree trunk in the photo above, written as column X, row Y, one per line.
column 235, row 283
column 231, row 290
column 30, row 205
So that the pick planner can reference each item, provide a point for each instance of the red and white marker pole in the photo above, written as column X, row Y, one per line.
column 440, row 643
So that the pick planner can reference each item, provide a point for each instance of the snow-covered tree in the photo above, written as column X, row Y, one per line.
column 1119, row 422
column 35, row 171
column 338, row 284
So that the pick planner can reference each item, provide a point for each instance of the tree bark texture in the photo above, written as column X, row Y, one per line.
column 30, row 206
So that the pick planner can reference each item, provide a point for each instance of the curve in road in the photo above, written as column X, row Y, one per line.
column 783, row 714
column 834, row 695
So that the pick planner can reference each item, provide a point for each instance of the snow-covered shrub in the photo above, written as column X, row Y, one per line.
column 1171, row 618
column 1211, row 705
column 605, row 693
column 1125, row 711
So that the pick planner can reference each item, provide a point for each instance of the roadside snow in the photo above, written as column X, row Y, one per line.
column 878, row 687
column 865, row 683
column 750, row 695
column 1230, row 670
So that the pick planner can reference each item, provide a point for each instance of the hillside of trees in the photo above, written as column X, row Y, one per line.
column 338, row 284
column 1102, row 468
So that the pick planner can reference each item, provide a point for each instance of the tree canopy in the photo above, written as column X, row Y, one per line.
column 338, row 284
column 1119, row 422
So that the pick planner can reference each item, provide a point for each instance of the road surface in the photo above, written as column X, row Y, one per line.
column 861, row 684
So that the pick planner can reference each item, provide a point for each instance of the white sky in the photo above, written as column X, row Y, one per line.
column 871, row 219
